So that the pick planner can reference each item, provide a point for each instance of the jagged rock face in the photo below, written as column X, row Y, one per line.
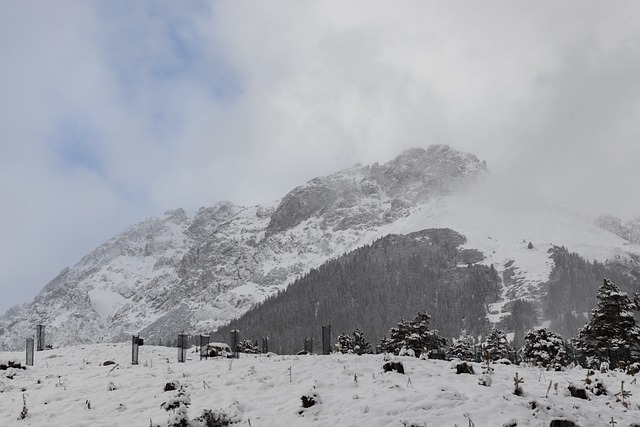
column 412, row 177
column 301, row 204
column 196, row 271
column 629, row 231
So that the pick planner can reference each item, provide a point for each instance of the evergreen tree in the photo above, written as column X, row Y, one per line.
column 396, row 340
column 573, row 285
column 246, row 346
column 612, row 325
column 344, row 344
column 496, row 346
column 413, row 336
column 462, row 348
column 360, row 346
column 544, row 348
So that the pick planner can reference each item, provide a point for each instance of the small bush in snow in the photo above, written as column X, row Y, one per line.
column 517, row 390
column 633, row 368
column 209, row 418
column 178, row 399
column 179, row 417
column 596, row 387
column 178, row 404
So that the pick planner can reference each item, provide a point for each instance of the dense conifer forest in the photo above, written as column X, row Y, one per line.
column 573, row 286
column 373, row 287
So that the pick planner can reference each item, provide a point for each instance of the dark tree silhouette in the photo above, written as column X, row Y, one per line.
column 413, row 336
column 612, row 325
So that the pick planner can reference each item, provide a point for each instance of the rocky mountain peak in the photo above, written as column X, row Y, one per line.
column 198, row 270
column 414, row 176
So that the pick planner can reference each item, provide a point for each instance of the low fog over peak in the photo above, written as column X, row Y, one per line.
column 113, row 112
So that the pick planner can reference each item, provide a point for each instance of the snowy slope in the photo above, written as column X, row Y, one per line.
column 196, row 271
column 503, row 234
column 69, row 387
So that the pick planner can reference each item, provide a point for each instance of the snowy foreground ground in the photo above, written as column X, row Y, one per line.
column 69, row 387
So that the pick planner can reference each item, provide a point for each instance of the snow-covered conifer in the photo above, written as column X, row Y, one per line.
column 360, row 346
column 544, row 348
column 413, row 337
column 462, row 348
column 344, row 344
column 496, row 346
column 246, row 346
column 177, row 405
column 612, row 325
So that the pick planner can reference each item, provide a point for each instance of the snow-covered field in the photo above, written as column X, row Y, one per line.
column 69, row 387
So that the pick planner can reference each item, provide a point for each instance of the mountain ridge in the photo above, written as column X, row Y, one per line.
column 198, row 270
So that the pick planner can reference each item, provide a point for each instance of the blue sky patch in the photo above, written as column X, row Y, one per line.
column 159, row 47
column 77, row 145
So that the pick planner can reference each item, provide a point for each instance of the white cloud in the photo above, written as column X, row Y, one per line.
column 187, row 105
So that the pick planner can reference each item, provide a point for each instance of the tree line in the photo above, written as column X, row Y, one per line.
column 372, row 287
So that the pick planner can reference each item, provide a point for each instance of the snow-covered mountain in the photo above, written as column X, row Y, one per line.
column 194, row 271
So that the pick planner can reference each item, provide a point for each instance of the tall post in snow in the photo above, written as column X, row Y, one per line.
column 182, row 348
column 235, row 341
column 204, row 346
column 39, row 337
column 135, row 345
column 326, row 339
column 29, row 361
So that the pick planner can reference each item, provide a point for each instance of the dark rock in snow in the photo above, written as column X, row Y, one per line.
column 10, row 364
column 393, row 366
column 464, row 368
column 170, row 386
column 578, row 392
column 562, row 423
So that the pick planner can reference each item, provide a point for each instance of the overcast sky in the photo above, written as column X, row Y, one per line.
column 114, row 111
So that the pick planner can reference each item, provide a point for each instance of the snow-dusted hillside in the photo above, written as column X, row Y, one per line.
column 503, row 233
column 194, row 271
column 70, row 387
